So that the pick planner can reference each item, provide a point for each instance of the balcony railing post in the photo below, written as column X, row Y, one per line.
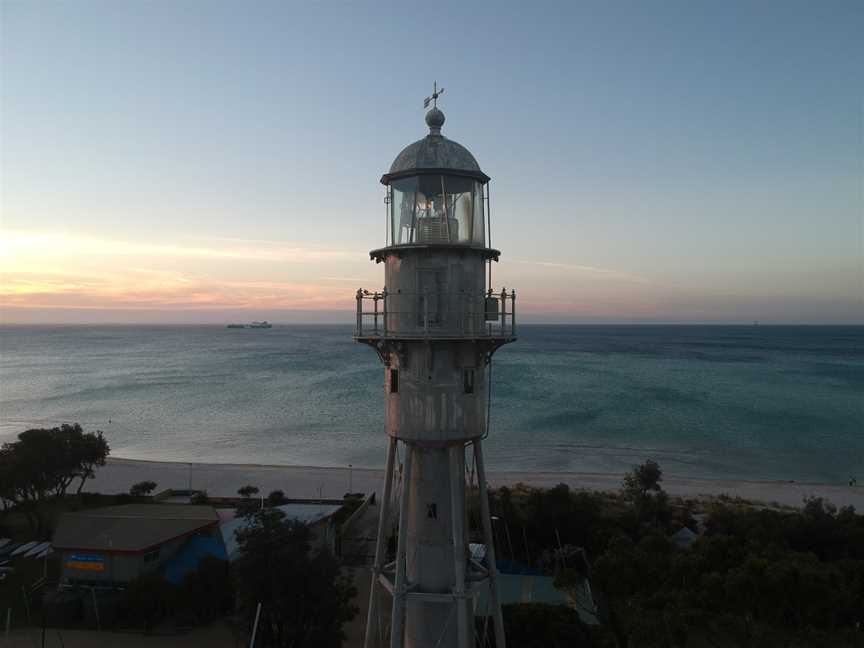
column 359, row 311
column 512, row 312
column 375, row 307
column 503, row 310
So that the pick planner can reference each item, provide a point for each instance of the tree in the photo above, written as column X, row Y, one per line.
column 92, row 451
column 539, row 625
column 199, row 498
column 247, row 491
column 304, row 598
column 276, row 497
column 642, row 480
column 142, row 488
column 642, row 487
column 43, row 462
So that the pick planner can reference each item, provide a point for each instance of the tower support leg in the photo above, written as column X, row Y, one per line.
column 464, row 634
column 380, row 544
column 498, row 620
column 397, row 629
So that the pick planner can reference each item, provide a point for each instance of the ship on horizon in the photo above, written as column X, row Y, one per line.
column 254, row 325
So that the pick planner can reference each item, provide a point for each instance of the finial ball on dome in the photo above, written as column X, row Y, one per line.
column 435, row 120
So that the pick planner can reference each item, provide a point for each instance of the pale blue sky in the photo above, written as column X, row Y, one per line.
column 651, row 161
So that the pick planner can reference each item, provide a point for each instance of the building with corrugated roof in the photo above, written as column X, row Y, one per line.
column 114, row 545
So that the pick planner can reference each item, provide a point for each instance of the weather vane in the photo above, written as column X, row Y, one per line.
column 434, row 98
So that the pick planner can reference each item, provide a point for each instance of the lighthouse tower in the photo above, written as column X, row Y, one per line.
column 435, row 326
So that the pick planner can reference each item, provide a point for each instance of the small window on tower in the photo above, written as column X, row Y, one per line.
column 432, row 511
column 394, row 381
column 468, row 378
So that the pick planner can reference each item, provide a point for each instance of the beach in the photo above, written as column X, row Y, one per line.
column 309, row 482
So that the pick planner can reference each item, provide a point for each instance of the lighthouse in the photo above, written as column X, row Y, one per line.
column 435, row 326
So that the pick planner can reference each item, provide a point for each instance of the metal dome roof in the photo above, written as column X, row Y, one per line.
column 434, row 154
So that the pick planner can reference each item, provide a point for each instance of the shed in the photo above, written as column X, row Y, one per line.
column 116, row 544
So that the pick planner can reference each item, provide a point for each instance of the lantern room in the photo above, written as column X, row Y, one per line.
column 436, row 193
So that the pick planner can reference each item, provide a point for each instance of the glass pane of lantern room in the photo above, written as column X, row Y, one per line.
column 445, row 209
column 435, row 223
column 460, row 206
column 404, row 206
column 437, row 209
column 479, row 236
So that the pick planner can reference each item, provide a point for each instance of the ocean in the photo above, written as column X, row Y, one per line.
column 757, row 402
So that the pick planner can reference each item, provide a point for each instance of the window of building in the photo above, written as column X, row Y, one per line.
column 432, row 511
column 151, row 556
column 394, row 381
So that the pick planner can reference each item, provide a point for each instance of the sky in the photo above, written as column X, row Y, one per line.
column 658, row 162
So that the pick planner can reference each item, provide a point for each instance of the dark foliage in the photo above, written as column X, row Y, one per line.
column 207, row 593
column 757, row 577
column 142, row 488
column 43, row 463
column 305, row 598
column 247, row 491
column 276, row 498
column 535, row 625
column 147, row 601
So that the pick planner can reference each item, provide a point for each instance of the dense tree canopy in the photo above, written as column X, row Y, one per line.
column 276, row 498
column 247, row 491
column 757, row 576
column 142, row 488
column 304, row 598
column 44, row 463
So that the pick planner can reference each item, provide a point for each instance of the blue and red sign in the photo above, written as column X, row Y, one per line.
column 86, row 562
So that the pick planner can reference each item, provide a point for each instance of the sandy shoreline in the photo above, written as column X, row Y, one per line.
column 312, row 482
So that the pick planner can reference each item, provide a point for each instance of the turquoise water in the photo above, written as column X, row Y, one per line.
column 759, row 402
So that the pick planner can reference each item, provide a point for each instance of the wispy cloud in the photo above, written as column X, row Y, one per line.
column 30, row 244
column 590, row 271
column 59, row 270
column 138, row 290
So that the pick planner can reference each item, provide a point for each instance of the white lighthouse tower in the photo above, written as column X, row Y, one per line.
column 435, row 326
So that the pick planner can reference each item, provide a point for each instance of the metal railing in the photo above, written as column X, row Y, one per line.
column 435, row 314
